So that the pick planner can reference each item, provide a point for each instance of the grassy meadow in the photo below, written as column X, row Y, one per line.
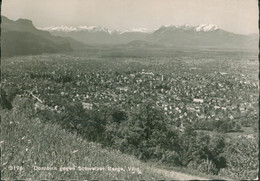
column 28, row 143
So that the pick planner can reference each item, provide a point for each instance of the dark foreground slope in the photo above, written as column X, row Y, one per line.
column 33, row 146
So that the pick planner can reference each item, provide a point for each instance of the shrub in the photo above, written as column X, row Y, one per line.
column 193, row 165
column 208, row 167
column 242, row 159
column 171, row 157
column 119, row 115
column 5, row 102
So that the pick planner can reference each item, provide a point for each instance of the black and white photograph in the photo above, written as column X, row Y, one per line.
column 129, row 90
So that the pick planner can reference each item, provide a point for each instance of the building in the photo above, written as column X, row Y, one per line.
column 88, row 106
column 198, row 100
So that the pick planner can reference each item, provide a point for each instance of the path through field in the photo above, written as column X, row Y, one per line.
column 176, row 175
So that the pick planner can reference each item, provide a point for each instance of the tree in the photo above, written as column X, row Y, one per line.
column 242, row 158
column 187, row 150
column 5, row 103
column 217, row 147
column 119, row 115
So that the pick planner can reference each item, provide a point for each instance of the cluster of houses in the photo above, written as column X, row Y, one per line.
column 181, row 96
column 183, row 93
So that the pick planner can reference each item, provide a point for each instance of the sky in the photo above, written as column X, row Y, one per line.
column 238, row 16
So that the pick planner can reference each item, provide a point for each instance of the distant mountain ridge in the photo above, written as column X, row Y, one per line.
column 76, row 29
column 197, row 28
column 204, row 35
column 20, row 37
column 63, row 28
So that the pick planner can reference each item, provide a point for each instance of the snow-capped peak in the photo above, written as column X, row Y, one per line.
column 197, row 28
column 207, row 27
column 185, row 26
column 75, row 29
column 59, row 28
column 141, row 30
column 93, row 29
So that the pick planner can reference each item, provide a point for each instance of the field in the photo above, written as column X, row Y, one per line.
column 178, row 108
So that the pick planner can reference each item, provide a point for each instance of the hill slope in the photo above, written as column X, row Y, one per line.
column 22, row 38
column 25, row 43
column 30, row 145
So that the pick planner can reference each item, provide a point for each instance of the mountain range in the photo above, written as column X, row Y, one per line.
column 22, row 38
column 205, row 35
column 202, row 27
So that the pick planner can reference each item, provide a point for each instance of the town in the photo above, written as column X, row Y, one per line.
column 198, row 92
column 183, row 109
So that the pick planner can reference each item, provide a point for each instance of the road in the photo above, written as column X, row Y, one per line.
column 175, row 175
